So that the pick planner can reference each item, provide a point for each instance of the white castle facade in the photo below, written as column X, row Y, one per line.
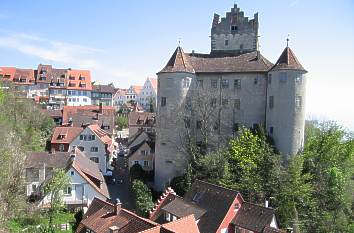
column 207, row 98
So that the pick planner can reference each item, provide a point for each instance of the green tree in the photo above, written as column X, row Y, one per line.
column 121, row 122
column 54, row 189
column 181, row 184
column 143, row 198
column 254, row 166
column 329, row 159
column 294, row 197
column 152, row 104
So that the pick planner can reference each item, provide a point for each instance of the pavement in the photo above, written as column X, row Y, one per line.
column 121, row 190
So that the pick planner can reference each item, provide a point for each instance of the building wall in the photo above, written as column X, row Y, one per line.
column 138, row 156
column 240, row 32
column 170, row 161
column 147, row 94
column 87, row 145
column 78, row 98
column 76, row 179
column 287, row 120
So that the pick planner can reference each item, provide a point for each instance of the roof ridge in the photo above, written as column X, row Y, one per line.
column 218, row 186
column 258, row 205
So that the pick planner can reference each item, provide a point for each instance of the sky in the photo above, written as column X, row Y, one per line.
column 125, row 42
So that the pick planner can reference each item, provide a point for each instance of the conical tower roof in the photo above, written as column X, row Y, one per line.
column 179, row 62
column 288, row 61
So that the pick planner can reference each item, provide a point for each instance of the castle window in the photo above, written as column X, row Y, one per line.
column 237, row 104
column 186, row 82
column 163, row 101
column 256, row 81
column 241, row 47
column 200, row 83
column 271, row 102
column 234, row 28
column 199, row 124
column 226, row 42
column 214, row 83
column 225, row 102
column 225, row 83
column 237, row 84
column 213, row 102
column 235, row 127
column 95, row 159
column 269, row 79
column 298, row 79
column 271, row 130
column 298, row 101
column 283, row 77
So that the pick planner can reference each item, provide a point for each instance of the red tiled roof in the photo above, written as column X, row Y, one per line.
column 65, row 134
column 75, row 83
column 141, row 119
column 288, row 61
column 8, row 71
column 101, row 134
column 90, row 171
column 179, row 62
column 153, row 82
column 183, row 225
column 101, row 215
column 137, row 89
column 88, row 114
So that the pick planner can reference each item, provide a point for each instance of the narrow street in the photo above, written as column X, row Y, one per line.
column 121, row 187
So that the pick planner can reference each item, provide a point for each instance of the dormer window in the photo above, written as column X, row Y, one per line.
column 61, row 136
column 237, row 206
column 82, row 85
column 82, row 78
column 71, row 77
column 71, row 84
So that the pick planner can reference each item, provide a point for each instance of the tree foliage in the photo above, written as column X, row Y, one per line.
column 54, row 190
column 142, row 197
column 121, row 122
column 23, row 127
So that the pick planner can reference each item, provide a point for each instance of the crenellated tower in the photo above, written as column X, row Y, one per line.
column 234, row 34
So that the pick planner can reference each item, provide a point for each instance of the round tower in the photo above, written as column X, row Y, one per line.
column 286, row 98
column 174, row 83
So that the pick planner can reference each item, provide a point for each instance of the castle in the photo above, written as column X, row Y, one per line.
column 207, row 98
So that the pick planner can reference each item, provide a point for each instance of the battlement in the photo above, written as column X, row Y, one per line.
column 234, row 32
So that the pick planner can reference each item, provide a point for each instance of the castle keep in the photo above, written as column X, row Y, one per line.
column 209, row 97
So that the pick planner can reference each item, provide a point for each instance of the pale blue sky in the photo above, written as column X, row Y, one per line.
column 125, row 41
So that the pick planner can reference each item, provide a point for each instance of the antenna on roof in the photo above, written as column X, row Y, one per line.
column 287, row 41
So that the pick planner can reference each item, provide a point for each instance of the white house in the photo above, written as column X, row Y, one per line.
column 148, row 93
column 120, row 97
column 86, row 180
column 96, row 144
column 133, row 93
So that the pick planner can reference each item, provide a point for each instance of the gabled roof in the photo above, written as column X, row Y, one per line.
column 101, row 215
column 101, row 134
column 183, row 225
column 179, row 62
column 65, row 134
column 88, row 114
column 247, row 62
column 141, row 119
column 216, row 200
column 76, row 83
column 103, row 88
column 288, row 61
column 52, row 160
column 153, row 82
column 180, row 208
column 137, row 89
column 253, row 217
column 90, row 171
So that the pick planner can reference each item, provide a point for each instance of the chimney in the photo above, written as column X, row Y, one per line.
column 258, row 55
column 117, row 207
column 113, row 229
column 100, row 108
